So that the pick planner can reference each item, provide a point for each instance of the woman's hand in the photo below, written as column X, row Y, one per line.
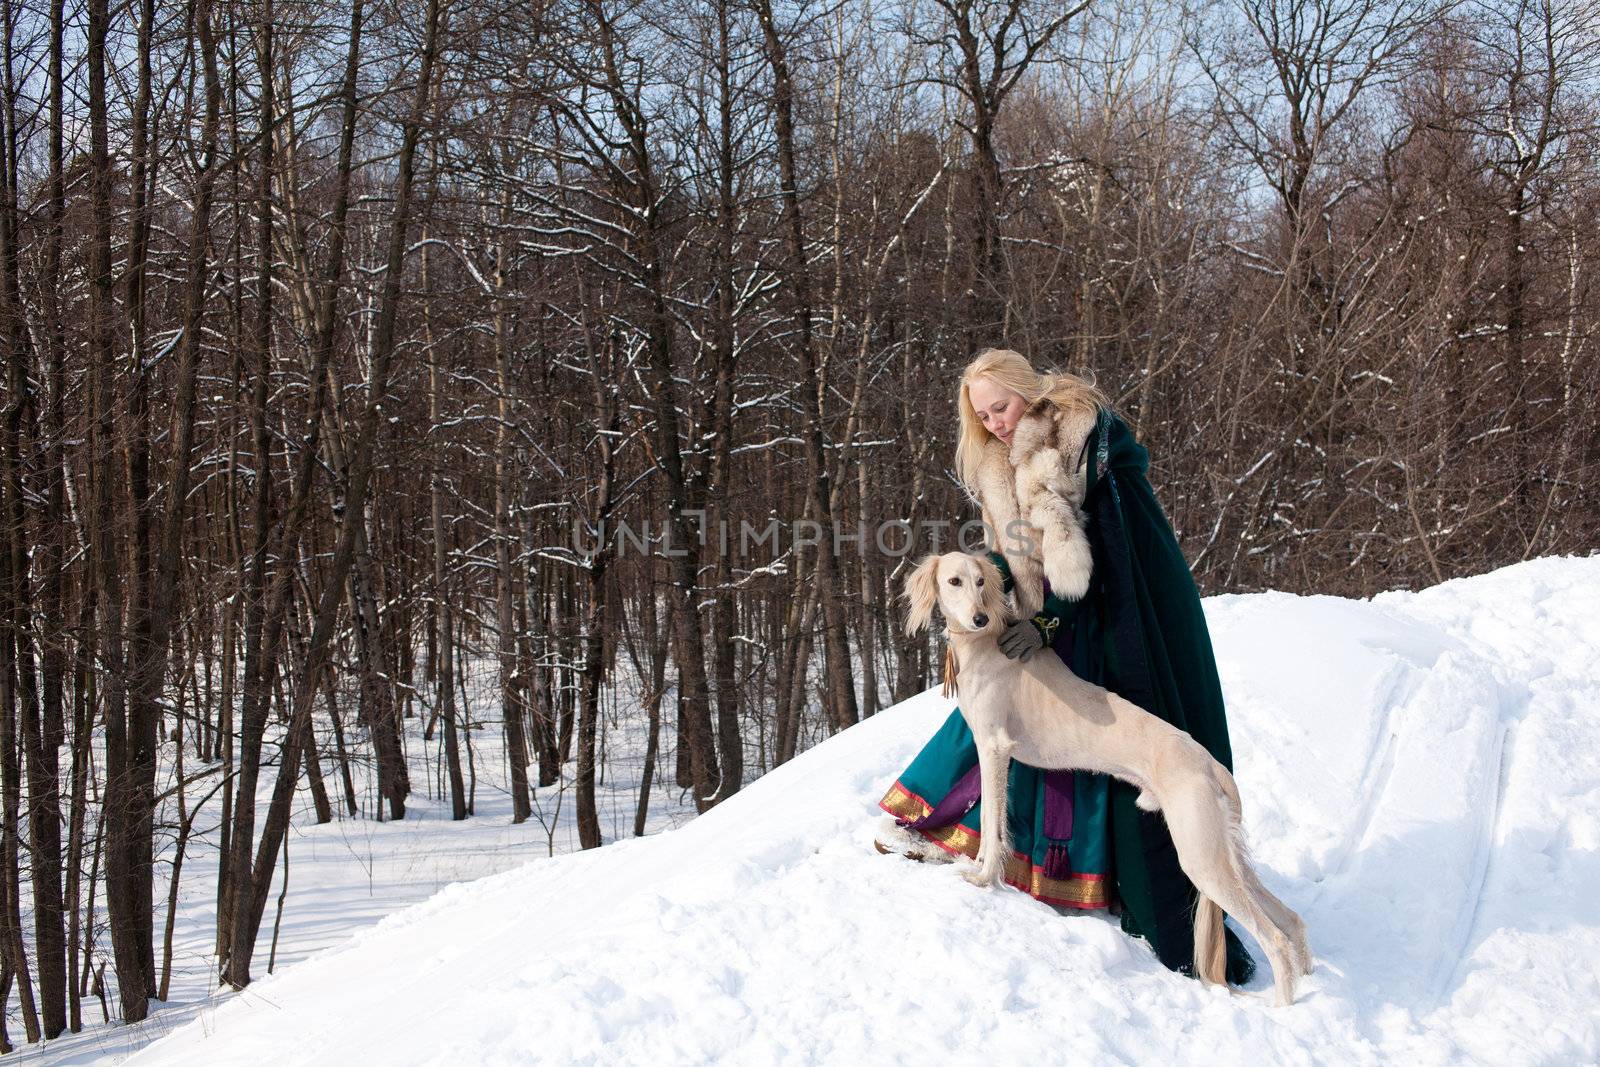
column 1021, row 640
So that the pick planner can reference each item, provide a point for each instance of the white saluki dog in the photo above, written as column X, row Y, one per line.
column 1042, row 714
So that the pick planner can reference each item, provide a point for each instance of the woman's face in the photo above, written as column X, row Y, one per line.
column 998, row 408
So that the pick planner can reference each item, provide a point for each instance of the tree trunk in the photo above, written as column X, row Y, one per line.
column 247, row 914
column 444, row 618
column 512, row 685
column 841, row 693
column 116, row 830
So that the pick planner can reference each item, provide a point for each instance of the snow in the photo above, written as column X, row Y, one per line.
column 349, row 874
column 1421, row 779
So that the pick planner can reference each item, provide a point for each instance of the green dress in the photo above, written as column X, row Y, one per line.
column 1139, row 631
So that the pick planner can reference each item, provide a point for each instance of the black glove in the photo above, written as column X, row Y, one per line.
column 1021, row 640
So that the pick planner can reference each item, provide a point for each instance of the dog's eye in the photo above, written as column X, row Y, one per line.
column 955, row 581
column 980, row 583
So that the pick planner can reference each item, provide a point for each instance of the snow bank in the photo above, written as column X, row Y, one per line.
column 1421, row 775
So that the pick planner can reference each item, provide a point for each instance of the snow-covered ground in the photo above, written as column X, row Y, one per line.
column 349, row 874
column 1421, row 776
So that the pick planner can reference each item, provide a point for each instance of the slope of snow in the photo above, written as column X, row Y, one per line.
column 348, row 874
column 1421, row 776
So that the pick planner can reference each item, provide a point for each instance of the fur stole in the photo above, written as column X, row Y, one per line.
column 1031, row 494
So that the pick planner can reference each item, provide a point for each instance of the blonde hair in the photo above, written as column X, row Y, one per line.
column 1011, row 370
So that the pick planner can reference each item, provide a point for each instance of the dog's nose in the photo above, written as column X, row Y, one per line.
column 980, row 621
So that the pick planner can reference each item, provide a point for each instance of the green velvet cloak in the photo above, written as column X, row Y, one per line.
column 1141, row 633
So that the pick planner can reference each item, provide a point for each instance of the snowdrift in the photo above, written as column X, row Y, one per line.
column 1421, row 777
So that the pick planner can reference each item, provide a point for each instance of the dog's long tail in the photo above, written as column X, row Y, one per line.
column 1210, row 941
column 1210, row 944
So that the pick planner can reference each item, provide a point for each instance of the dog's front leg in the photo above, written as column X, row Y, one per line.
column 994, row 766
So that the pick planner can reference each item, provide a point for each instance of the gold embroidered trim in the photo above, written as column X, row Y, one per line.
column 1079, row 891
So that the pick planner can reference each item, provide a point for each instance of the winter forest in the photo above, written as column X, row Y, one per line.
column 605, row 353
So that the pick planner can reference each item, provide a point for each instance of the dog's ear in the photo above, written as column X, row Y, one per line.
column 994, row 592
column 922, row 593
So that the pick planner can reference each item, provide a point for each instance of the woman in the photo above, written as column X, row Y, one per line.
column 1078, row 840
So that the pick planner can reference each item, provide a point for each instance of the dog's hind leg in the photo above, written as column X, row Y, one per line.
column 1281, row 915
column 994, row 768
column 1282, row 949
column 1207, row 843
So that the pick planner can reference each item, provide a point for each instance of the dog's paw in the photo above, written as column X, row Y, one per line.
column 976, row 877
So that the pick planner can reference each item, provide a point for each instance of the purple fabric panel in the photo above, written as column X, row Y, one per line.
column 1058, row 790
column 1059, row 786
column 955, row 804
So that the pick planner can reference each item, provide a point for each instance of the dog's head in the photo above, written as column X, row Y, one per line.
column 965, row 588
